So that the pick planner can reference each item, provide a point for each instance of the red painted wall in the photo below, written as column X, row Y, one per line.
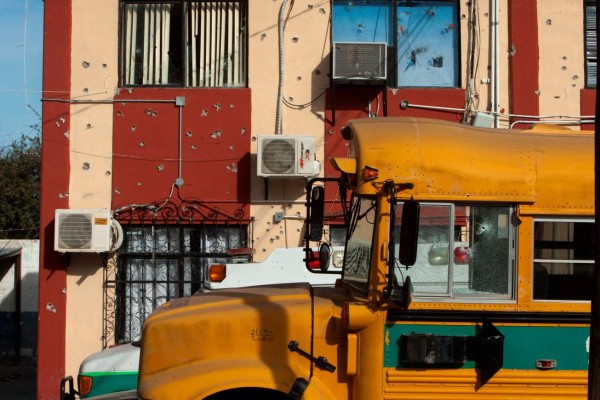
column 54, row 194
column 215, row 147
column 524, row 61
column 588, row 106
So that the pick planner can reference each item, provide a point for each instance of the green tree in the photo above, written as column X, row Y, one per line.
column 20, row 188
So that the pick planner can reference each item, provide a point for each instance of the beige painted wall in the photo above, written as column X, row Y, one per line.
column 562, row 58
column 94, row 77
column 482, row 83
column 306, row 68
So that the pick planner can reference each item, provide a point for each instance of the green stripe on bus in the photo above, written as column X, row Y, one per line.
column 111, row 381
column 523, row 345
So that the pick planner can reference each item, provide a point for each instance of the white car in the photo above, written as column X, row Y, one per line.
column 277, row 268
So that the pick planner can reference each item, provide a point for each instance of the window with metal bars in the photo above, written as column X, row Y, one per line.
column 158, row 263
column 184, row 43
column 591, row 57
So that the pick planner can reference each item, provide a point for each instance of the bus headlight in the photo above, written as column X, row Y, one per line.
column 337, row 258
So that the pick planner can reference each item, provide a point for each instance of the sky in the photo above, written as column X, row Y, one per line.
column 21, row 33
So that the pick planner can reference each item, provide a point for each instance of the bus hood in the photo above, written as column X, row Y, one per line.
column 120, row 358
column 198, row 345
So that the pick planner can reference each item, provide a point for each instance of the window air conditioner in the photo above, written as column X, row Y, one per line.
column 91, row 231
column 359, row 61
column 286, row 156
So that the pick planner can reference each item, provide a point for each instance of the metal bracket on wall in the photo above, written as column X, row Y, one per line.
column 180, row 102
column 381, row 83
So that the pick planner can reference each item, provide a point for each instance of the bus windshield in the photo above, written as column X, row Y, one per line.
column 357, row 256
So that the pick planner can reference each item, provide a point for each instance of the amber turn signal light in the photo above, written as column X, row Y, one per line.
column 85, row 384
column 216, row 272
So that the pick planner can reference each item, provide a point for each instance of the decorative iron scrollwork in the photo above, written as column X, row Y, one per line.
column 170, row 211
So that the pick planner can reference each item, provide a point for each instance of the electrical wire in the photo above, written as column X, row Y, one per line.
column 20, row 230
column 279, row 111
column 302, row 106
column 472, row 92
column 150, row 207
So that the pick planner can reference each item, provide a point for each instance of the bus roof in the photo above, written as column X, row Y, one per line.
column 547, row 169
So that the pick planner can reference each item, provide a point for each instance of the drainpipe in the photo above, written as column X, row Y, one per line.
column 281, row 77
column 495, row 61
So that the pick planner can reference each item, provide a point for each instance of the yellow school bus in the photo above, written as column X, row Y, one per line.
column 467, row 275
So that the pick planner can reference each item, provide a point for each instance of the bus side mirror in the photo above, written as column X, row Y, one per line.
column 317, row 206
column 409, row 233
column 324, row 256
column 403, row 295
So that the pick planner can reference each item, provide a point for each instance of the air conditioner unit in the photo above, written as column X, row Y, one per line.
column 286, row 156
column 359, row 61
column 82, row 231
column 483, row 120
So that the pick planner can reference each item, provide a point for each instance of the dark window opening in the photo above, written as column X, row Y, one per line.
column 184, row 43
column 563, row 264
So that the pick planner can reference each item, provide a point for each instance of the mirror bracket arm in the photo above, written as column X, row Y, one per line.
column 309, row 203
column 390, row 187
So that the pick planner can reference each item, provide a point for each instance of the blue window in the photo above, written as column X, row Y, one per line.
column 362, row 21
column 422, row 37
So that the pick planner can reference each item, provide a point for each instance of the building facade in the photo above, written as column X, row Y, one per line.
column 176, row 119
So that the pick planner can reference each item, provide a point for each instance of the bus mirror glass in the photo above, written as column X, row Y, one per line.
column 324, row 256
column 317, row 206
column 409, row 233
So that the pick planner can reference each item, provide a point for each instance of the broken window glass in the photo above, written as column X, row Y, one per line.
column 463, row 251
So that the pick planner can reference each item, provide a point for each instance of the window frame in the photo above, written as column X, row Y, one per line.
column 361, row 287
column 451, row 295
column 573, row 261
column 185, row 68
column 588, row 28
column 393, row 67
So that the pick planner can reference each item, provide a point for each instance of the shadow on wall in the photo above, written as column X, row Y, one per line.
column 15, row 348
column 319, row 85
